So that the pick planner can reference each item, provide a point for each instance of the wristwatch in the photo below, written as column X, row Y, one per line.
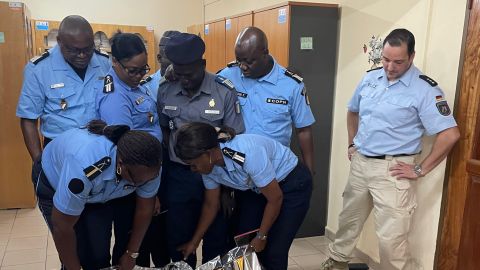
column 417, row 169
column 261, row 236
column 132, row 255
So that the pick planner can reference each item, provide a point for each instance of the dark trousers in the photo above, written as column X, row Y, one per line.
column 93, row 229
column 184, row 198
column 248, row 214
column 122, row 216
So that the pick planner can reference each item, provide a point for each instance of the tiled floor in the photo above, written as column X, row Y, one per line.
column 26, row 244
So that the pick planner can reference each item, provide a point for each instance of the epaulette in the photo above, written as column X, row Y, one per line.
column 233, row 64
column 294, row 76
column 97, row 168
column 236, row 156
column 374, row 69
column 147, row 79
column 35, row 60
column 225, row 82
column 429, row 80
column 102, row 54
column 108, row 86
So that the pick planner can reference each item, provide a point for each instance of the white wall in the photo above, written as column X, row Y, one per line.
column 162, row 15
column 438, row 27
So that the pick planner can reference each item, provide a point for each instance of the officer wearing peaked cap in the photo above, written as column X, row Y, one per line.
column 78, row 175
column 57, row 85
column 196, row 96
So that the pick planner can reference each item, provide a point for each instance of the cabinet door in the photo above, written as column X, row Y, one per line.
column 215, row 45
column 275, row 24
column 16, row 189
column 233, row 27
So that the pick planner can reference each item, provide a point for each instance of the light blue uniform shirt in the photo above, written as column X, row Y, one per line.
column 153, row 83
column 271, row 104
column 53, row 92
column 124, row 105
column 394, row 116
column 265, row 160
column 66, row 158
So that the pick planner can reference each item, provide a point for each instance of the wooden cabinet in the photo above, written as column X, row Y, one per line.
column 45, row 37
column 233, row 26
column 214, row 37
column 16, row 189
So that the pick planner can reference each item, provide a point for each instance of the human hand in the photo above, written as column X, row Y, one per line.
column 351, row 150
column 257, row 244
column 187, row 249
column 126, row 262
column 403, row 170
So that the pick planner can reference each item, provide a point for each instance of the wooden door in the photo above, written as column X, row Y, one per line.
column 459, row 233
column 16, row 189
column 215, row 45
column 275, row 23
column 233, row 26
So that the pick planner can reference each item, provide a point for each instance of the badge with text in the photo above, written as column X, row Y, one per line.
column 277, row 101
column 442, row 106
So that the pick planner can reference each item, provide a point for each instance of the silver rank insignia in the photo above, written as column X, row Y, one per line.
column 305, row 94
column 236, row 156
column 108, row 84
column 63, row 104
column 139, row 100
column 237, row 107
column 211, row 103
column 171, row 125
column 150, row 117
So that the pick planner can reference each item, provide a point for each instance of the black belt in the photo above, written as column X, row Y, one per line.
column 384, row 156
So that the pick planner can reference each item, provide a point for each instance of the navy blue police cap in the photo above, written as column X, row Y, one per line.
column 184, row 48
column 166, row 37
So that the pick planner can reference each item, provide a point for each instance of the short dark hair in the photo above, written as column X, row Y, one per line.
column 399, row 36
column 134, row 147
column 126, row 45
column 196, row 138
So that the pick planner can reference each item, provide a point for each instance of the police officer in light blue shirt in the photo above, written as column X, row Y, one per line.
column 390, row 111
column 57, row 86
column 273, row 99
column 153, row 81
column 78, row 174
column 249, row 162
column 121, row 100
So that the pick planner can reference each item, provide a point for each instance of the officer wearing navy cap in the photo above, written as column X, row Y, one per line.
column 249, row 162
column 151, row 82
column 197, row 96
column 391, row 109
column 57, row 85
column 78, row 174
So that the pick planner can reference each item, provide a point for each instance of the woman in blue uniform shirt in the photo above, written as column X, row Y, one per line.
column 249, row 162
column 76, row 176
column 122, row 100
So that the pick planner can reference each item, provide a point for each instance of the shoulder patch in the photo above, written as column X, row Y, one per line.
column 145, row 80
column 225, row 82
column 97, row 168
column 377, row 68
column 108, row 84
column 76, row 186
column 233, row 64
column 237, row 157
column 102, row 54
column 35, row 60
column 429, row 80
column 294, row 76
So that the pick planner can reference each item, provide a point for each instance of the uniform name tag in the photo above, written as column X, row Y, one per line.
column 212, row 111
column 171, row 108
column 241, row 94
column 57, row 85
column 277, row 101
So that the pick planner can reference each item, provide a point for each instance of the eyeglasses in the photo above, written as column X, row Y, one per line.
column 76, row 51
column 134, row 71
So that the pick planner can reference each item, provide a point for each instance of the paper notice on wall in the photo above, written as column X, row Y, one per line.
column 2, row 37
column 149, row 28
column 228, row 24
column 15, row 5
column 207, row 27
column 282, row 15
column 306, row 43
column 40, row 25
